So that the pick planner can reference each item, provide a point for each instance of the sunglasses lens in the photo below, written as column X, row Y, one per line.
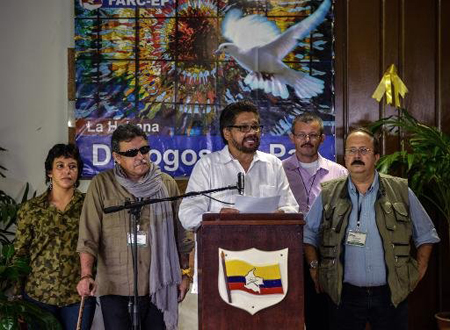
column 144, row 150
column 133, row 152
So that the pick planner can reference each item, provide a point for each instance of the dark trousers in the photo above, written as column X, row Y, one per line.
column 116, row 315
column 316, row 314
column 368, row 305
column 67, row 315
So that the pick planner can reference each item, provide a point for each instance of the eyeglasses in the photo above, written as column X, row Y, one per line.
column 303, row 136
column 133, row 152
column 362, row 150
column 247, row 128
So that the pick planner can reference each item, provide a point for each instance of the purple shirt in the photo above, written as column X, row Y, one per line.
column 306, row 187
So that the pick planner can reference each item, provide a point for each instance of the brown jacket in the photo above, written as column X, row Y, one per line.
column 105, row 235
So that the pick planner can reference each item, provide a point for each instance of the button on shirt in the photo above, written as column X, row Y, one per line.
column 264, row 178
column 365, row 266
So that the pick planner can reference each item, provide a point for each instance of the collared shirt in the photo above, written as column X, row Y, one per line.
column 105, row 235
column 365, row 266
column 265, row 177
column 49, row 237
column 306, row 186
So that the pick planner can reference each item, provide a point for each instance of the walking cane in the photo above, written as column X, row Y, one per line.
column 80, row 313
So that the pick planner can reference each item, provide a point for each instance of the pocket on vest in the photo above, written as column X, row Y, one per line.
column 407, row 273
column 328, row 275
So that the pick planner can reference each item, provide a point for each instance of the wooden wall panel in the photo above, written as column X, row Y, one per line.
column 443, row 65
column 371, row 35
column 363, row 61
column 391, row 40
column 420, row 58
column 340, row 67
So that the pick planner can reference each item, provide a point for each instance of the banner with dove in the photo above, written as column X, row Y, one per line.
column 172, row 65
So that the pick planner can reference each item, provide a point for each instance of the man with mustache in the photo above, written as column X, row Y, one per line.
column 306, row 170
column 263, row 173
column 106, row 238
column 359, row 232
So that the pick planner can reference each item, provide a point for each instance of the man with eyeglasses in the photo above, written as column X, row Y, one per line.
column 306, row 169
column 263, row 173
column 105, row 239
column 358, row 234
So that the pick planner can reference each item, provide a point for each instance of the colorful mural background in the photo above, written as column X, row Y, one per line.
column 156, row 66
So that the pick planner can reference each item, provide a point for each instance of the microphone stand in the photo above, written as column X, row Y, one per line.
column 130, row 205
column 135, row 211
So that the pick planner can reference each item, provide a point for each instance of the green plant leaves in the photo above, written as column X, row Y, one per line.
column 8, row 214
column 31, row 313
column 425, row 160
column 12, row 270
column 8, row 322
column 11, row 311
column 7, row 251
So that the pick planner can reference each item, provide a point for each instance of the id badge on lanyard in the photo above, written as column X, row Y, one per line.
column 141, row 238
column 357, row 237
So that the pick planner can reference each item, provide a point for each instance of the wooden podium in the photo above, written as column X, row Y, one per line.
column 236, row 232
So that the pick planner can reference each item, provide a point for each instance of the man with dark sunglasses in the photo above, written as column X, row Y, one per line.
column 106, row 238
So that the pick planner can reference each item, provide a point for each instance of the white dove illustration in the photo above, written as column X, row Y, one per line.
column 259, row 47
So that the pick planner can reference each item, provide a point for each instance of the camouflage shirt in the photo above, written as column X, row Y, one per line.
column 48, row 237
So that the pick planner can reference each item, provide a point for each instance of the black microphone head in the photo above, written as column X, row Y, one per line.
column 241, row 183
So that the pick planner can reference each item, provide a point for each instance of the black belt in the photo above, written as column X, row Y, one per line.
column 365, row 290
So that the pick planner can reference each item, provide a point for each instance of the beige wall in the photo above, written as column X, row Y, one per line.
column 33, row 88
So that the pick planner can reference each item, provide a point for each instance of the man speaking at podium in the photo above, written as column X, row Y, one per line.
column 263, row 173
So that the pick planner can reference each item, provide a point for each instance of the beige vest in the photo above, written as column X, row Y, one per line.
column 394, row 226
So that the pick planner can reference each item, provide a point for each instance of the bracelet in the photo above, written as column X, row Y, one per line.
column 186, row 272
column 86, row 276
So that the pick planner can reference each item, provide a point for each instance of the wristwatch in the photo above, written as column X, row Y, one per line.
column 314, row 264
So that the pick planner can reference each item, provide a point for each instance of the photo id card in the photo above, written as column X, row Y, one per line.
column 356, row 238
column 141, row 239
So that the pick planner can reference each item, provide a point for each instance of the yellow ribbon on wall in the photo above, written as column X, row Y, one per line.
column 392, row 85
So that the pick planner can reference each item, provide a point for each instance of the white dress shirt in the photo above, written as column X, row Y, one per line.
column 264, row 178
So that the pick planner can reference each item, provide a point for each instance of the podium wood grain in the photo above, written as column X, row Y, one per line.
column 237, row 232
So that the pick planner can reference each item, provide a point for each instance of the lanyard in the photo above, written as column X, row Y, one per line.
column 358, row 220
column 308, row 192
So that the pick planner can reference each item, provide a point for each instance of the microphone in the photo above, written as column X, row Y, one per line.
column 241, row 183
column 112, row 209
